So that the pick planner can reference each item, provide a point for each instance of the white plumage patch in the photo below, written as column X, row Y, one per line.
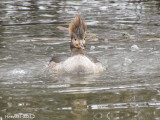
column 77, row 64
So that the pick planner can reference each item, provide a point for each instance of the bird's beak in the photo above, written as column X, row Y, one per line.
column 80, row 44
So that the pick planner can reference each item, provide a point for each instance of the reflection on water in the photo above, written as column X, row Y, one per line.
column 129, row 88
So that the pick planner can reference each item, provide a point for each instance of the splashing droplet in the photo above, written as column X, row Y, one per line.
column 134, row 48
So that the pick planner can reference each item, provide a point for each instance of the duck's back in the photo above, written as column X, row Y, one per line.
column 77, row 64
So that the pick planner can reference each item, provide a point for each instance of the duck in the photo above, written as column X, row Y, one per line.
column 79, row 61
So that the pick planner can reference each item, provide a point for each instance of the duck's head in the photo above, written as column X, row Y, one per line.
column 77, row 31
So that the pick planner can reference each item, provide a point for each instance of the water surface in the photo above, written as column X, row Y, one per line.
column 129, row 87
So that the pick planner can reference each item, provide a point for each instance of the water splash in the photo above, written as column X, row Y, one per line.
column 18, row 71
column 134, row 48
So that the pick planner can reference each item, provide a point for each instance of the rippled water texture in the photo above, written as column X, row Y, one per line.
column 129, row 87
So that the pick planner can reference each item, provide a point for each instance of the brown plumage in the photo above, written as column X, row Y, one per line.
column 77, row 27
column 78, row 62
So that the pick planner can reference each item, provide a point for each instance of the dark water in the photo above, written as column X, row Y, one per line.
column 128, row 89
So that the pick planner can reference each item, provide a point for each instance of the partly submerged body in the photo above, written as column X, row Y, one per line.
column 76, row 64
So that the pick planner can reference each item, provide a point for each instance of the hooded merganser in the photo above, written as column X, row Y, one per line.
column 79, row 62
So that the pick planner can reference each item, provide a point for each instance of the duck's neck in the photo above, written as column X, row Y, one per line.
column 76, row 51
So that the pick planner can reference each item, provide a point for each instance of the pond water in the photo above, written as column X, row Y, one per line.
column 129, row 87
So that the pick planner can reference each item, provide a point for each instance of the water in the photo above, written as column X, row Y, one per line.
column 129, row 87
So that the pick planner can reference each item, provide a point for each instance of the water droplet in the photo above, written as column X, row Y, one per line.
column 20, row 104
column 127, row 61
column 134, row 48
column 18, row 72
column 92, row 47
column 103, row 8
